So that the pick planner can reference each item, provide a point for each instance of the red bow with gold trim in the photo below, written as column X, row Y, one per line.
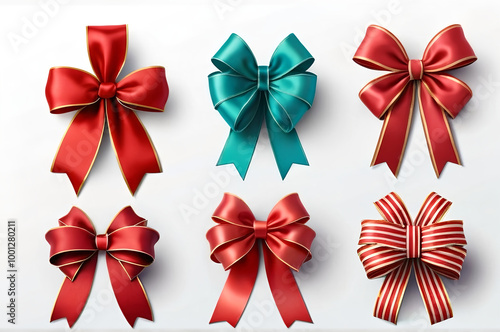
column 392, row 96
column 286, row 245
column 100, row 99
column 129, row 246
column 393, row 245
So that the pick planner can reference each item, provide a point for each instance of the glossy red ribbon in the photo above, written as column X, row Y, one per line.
column 99, row 99
column 391, row 97
column 129, row 246
column 390, row 248
column 286, row 246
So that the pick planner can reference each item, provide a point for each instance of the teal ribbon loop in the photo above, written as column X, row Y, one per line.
column 245, row 94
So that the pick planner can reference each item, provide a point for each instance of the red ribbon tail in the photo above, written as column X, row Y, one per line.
column 130, row 294
column 392, row 141
column 73, row 295
column 437, row 132
column 391, row 293
column 78, row 148
column 135, row 152
column 236, row 292
column 433, row 293
column 285, row 290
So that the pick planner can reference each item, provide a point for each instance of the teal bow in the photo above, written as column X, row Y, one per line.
column 245, row 93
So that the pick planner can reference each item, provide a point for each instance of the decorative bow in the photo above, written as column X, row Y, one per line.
column 245, row 93
column 129, row 246
column 392, row 96
column 99, row 99
column 234, row 244
column 393, row 245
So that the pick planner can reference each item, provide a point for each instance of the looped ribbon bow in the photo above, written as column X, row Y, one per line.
column 99, row 99
column 391, row 97
column 129, row 246
column 245, row 93
column 390, row 248
column 286, row 245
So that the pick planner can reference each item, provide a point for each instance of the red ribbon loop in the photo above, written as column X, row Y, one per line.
column 99, row 99
column 129, row 246
column 392, row 96
column 393, row 245
column 286, row 245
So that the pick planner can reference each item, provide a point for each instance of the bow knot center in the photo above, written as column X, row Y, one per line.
column 101, row 242
column 263, row 78
column 413, row 241
column 416, row 69
column 107, row 90
column 260, row 229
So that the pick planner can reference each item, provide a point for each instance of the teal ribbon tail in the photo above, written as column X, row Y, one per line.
column 240, row 146
column 286, row 147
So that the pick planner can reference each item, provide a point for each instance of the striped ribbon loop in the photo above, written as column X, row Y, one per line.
column 390, row 248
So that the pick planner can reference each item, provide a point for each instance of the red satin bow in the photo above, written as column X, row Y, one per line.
column 391, row 96
column 99, row 99
column 233, row 243
column 393, row 245
column 129, row 246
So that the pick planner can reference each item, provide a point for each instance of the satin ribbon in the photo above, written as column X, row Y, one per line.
column 234, row 243
column 129, row 246
column 245, row 94
column 391, row 97
column 390, row 248
column 99, row 99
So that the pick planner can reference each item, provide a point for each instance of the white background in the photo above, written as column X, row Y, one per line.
column 338, row 134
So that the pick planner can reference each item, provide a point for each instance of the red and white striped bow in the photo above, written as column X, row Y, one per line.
column 393, row 245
